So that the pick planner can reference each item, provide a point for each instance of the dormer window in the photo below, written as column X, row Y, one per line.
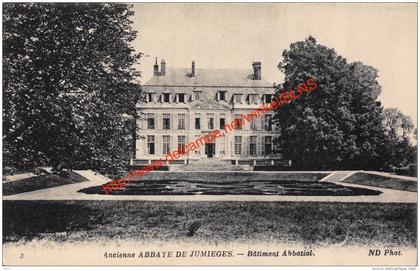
column 150, row 97
column 253, row 98
column 221, row 96
column 267, row 98
column 237, row 98
column 181, row 97
column 166, row 97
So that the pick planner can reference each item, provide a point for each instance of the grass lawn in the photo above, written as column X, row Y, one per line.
column 382, row 181
column 36, row 183
column 313, row 223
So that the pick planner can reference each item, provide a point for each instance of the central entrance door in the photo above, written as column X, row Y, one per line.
column 210, row 150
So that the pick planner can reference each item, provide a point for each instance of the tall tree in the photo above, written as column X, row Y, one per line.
column 339, row 125
column 69, row 85
column 399, row 129
column 398, row 125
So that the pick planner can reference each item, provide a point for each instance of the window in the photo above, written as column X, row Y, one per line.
column 253, row 98
column 253, row 124
column 166, row 121
column 267, row 98
column 267, row 122
column 222, row 123
column 253, row 146
column 196, row 95
column 237, row 98
column 238, row 145
column 181, row 121
column 197, row 122
column 150, row 97
column 268, row 146
column 210, row 121
column 221, row 96
column 166, row 144
column 166, row 97
column 181, row 97
column 150, row 144
column 150, row 121
column 238, row 120
column 181, row 144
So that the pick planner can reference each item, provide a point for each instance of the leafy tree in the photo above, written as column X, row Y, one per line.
column 69, row 86
column 399, row 128
column 339, row 125
column 398, row 125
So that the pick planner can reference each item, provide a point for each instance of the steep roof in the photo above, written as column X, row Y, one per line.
column 208, row 77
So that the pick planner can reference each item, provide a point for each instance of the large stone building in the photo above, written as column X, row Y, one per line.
column 181, row 105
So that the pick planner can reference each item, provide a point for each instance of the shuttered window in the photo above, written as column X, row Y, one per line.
column 181, row 144
column 150, row 144
column 268, row 145
column 150, row 121
column 181, row 121
column 166, row 144
column 253, row 146
column 238, row 145
column 166, row 121
column 267, row 123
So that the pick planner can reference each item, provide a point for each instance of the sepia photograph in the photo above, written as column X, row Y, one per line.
column 235, row 134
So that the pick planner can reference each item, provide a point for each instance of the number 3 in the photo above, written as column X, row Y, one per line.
column 21, row 256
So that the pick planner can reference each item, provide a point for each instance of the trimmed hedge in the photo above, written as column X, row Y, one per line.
column 271, row 168
column 136, row 167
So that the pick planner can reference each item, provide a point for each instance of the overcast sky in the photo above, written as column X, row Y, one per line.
column 233, row 35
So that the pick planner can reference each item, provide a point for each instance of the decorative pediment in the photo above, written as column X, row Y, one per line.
column 209, row 104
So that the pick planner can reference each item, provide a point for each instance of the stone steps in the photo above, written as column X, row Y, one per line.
column 210, row 165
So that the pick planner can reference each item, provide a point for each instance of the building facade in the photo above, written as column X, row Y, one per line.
column 182, row 105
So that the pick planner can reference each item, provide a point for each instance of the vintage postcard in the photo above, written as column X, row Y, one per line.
column 209, row 134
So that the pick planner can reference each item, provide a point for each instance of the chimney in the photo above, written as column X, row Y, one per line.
column 156, row 68
column 193, row 69
column 257, row 70
column 162, row 67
